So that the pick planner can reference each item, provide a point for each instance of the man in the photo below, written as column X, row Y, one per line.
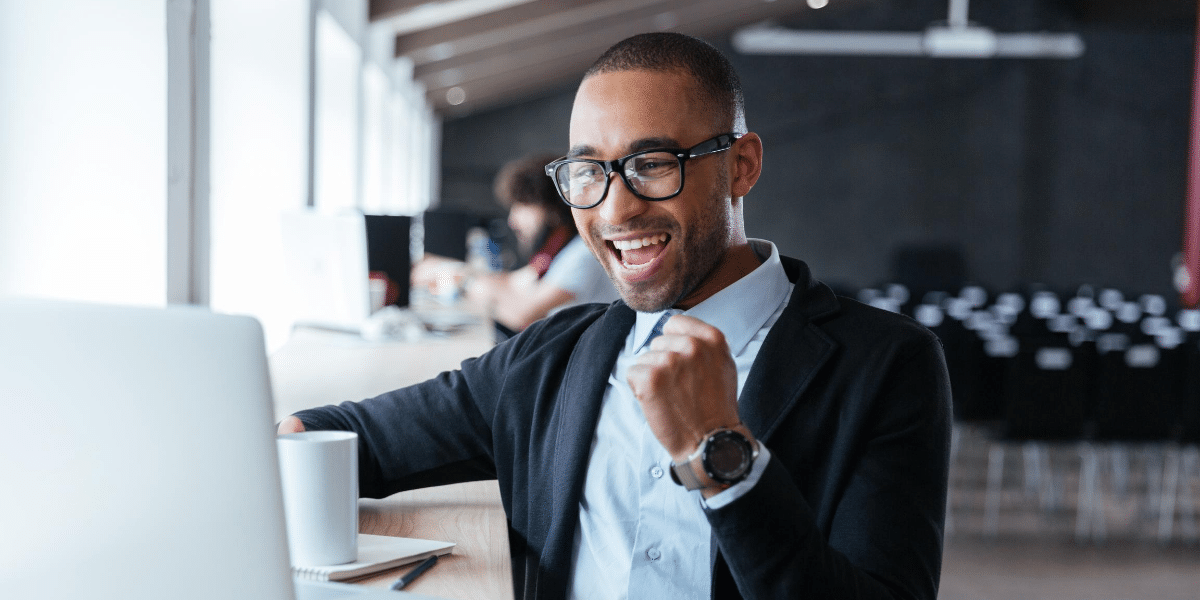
column 815, row 429
column 560, row 271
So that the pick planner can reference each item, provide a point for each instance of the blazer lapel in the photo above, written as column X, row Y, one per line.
column 794, row 346
column 578, row 411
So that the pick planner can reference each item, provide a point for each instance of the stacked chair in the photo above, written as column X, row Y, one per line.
column 1183, row 458
column 1115, row 379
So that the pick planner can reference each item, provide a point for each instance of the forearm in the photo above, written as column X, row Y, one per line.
column 429, row 434
column 516, row 299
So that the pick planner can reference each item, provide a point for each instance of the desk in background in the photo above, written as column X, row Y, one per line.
column 316, row 367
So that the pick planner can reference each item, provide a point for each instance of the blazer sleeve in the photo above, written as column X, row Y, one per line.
column 885, row 536
column 432, row 433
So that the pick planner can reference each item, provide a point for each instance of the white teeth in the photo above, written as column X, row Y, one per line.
column 638, row 243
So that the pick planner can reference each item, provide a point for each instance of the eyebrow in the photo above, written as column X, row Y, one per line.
column 637, row 146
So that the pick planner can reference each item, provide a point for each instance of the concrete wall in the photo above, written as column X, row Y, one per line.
column 1056, row 172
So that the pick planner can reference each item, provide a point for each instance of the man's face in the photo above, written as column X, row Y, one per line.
column 658, row 254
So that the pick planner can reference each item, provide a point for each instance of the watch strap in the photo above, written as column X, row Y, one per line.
column 685, row 474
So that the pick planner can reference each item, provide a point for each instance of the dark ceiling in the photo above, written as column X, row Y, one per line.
column 477, row 54
column 525, row 47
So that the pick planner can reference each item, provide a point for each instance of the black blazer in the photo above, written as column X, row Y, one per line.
column 853, row 403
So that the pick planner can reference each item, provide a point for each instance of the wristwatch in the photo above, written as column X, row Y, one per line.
column 725, row 457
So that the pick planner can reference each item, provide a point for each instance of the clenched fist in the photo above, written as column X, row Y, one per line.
column 686, row 383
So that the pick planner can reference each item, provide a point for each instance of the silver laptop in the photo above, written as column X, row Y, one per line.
column 138, row 458
column 328, row 272
column 328, row 268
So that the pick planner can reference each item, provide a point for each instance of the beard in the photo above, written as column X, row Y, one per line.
column 697, row 253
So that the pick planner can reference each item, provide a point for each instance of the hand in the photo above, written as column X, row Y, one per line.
column 687, row 384
column 289, row 424
column 438, row 275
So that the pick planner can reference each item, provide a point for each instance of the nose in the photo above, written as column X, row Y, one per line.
column 620, row 205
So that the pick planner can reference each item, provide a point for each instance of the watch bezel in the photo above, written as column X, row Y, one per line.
column 747, row 461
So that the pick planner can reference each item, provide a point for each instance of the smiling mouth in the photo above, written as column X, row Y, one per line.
column 637, row 252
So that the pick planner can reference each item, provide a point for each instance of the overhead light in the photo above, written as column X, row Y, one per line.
column 956, row 38
column 960, row 42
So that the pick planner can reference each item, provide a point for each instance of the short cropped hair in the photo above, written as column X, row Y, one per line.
column 524, row 181
column 669, row 51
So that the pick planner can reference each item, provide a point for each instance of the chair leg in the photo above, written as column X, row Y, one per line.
column 995, row 478
column 1154, row 465
column 1166, row 507
column 955, row 440
column 1090, row 513
column 1051, row 489
column 1084, row 504
column 1099, row 519
column 1033, row 471
column 1187, row 519
column 1119, row 456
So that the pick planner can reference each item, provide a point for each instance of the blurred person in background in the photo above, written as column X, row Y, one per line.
column 560, row 272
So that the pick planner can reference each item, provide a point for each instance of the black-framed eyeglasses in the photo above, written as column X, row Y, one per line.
column 655, row 174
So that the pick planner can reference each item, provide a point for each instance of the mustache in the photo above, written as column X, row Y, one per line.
column 656, row 223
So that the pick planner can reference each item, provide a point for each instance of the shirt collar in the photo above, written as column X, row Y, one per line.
column 740, row 309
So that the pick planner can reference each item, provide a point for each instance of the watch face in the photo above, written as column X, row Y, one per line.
column 727, row 457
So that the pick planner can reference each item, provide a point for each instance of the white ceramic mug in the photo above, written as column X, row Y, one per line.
column 319, row 472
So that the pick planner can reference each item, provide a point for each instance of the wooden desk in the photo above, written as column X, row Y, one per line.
column 316, row 368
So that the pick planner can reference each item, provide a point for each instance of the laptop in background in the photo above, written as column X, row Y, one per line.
column 330, row 257
column 327, row 263
column 138, row 460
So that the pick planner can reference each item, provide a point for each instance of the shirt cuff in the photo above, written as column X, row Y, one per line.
column 740, row 488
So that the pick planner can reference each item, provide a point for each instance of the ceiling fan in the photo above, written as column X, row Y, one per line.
column 956, row 38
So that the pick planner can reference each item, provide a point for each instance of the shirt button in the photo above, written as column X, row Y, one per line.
column 653, row 554
column 657, row 472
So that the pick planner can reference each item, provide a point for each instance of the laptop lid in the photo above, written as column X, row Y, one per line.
column 139, row 457
column 327, row 264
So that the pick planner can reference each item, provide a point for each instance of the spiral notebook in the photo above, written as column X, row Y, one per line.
column 377, row 553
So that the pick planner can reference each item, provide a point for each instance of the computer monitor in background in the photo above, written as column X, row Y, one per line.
column 388, row 254
column 446, row 232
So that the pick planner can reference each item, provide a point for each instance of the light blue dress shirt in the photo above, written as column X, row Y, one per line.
column 640, row 535
column 576, row 270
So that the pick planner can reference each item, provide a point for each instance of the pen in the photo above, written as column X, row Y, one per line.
column 413, row 574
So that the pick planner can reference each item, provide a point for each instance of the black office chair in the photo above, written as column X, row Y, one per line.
column 1045, row 399
column 1137, row 395
column 1183, row 460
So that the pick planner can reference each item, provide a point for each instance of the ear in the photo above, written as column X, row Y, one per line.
column 747, row 164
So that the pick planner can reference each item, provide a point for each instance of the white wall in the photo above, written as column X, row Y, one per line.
column 259, row 160
column 94, row 204
column 338, row 113
column 83, row 150
column 376, row 134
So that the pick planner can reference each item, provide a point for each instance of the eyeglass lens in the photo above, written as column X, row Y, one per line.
column 652, row 175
